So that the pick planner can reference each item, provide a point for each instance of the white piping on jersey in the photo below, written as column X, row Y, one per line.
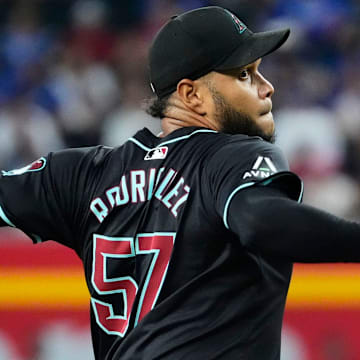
column 5, row 218
column 138, row 143
column 187, row 136
column 301, row 192
column 243, row 186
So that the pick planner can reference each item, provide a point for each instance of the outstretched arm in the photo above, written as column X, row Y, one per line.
column 269, row 223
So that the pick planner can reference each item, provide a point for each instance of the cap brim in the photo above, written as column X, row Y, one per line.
column 258, row 45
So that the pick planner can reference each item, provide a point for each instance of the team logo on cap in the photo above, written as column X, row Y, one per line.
column 240, row 26
column 34, row 166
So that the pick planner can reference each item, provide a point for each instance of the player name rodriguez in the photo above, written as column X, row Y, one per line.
column 139, row 186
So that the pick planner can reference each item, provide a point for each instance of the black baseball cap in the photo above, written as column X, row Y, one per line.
column 196, row 42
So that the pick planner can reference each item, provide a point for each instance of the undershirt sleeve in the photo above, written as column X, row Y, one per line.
column 267, row 222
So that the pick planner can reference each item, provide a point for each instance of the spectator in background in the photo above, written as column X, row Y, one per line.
column 125, row 121
column 24, row 42
column 91, row 87
column 27, row 130
column 315, row 147
column 347, row 110
column 131, row 67
column 25, row 48
column 89, row 32
column 82, row 81
column 323, row 108
column 94, row 86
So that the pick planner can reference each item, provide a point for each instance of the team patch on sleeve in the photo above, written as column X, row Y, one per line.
column 37, row 165
column 262, row 168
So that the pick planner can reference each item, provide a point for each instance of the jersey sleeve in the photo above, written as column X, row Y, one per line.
column 45, row 199
column 241, row 164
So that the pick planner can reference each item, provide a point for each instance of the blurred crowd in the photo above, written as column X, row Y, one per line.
column 74, row 73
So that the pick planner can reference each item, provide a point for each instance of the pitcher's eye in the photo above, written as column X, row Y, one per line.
column 244, row 74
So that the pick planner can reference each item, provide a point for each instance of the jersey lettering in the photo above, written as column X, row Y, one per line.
column 174, row 209
column 142, row 186
column 165, row 183
column 137, row 186
column 105, row 283
column 151, row 183
column 105, row 248
column 99, row 209
column 172, row 193
column 118, row 195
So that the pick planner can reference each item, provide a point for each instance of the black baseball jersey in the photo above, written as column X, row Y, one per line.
column 168, row 278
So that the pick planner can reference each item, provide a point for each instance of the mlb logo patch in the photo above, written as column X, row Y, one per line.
column 157, row 153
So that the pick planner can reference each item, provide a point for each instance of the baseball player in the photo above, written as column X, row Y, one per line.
column 187, row 238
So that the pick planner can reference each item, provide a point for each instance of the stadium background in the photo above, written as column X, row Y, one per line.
column 73, row 73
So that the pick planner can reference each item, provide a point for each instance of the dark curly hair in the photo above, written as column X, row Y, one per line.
column 156, row 107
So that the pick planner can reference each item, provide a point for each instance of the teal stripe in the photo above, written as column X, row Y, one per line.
column 301, row 192
column 5, row 218
column 226, row 209
column 187, row 136
column 138, row 143
column 37, row 238
column 264, row 183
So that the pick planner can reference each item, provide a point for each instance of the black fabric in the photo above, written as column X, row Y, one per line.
column 212, row 298
column 281, row 228
column 258, row 45
column 243, row 166
column 50, row 204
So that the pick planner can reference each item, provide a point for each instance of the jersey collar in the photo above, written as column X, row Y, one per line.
column 146, row 137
